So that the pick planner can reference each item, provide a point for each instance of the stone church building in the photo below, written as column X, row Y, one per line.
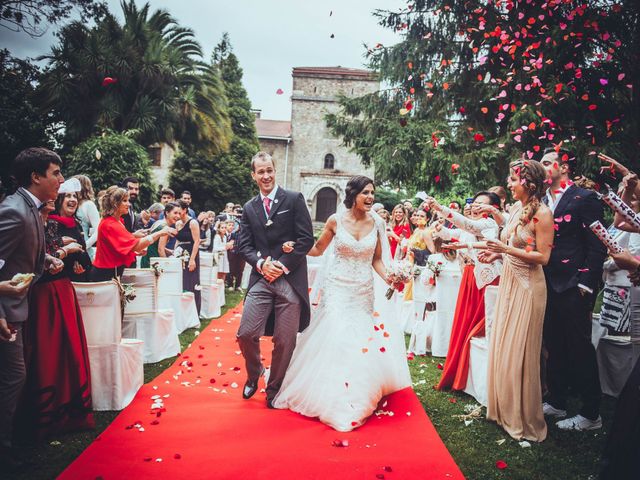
column 308, row 157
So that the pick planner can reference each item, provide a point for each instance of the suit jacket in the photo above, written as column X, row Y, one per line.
column 22, row 248
column 261, row 237
column 129, row 220
column 577, row 255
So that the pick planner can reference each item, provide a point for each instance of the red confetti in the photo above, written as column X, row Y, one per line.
column 279, row 91
column 109, row 81
column 501, row 464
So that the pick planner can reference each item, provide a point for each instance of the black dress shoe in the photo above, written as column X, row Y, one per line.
column 251, row 387
column 270, row 403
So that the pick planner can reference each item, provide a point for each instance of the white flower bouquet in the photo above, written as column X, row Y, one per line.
column 398, row 273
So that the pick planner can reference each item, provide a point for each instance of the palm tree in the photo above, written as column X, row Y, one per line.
column 145, row 76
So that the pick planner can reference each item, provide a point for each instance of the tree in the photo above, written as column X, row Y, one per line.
column 21, row 124
column 476, row 84
column 214, row 181
column 107, row 159
column 29, row 16
column 144, row 76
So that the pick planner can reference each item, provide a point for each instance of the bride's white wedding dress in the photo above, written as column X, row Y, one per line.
column 349, row 357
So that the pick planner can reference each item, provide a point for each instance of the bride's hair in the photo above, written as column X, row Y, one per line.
column 354, row 187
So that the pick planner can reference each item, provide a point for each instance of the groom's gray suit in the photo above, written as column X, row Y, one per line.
column 280, row 308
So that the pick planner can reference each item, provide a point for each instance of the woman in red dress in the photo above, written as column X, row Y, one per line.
column 117, row 248
column 398, row 228
column 468, row 319
column 58, row 391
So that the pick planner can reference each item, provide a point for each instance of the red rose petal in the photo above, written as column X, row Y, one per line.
column 440, row 367
column 382, row 349
column 177, row 456
column 501, row 464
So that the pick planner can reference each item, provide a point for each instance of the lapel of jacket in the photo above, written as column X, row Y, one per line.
column 38, row 221
column 256, row 204
column 279, row 200
column 567, row 196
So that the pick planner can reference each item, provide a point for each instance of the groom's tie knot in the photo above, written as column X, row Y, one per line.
column 267, row 205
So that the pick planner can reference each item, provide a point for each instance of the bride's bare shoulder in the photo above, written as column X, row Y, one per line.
column 331, row 222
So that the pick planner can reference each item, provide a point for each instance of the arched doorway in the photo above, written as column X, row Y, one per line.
column 326, row 203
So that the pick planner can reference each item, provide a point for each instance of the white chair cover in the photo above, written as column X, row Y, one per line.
column 146, row 285
column 116, row 373
column 158, row 332
column 245, row 276
column 184, row 306
column 221, row 297
column 208, row 273
column 478, row 365
column 407, row 316
column 490, row 300
column 447, row 287
column 101, row 314
column 206, row 259
column 210, row 301
column 170, row 281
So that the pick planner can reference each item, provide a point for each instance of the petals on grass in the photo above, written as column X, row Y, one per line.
column 501, row 464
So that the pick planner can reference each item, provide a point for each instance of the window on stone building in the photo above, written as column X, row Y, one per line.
column 155, row 155
column 329, row 161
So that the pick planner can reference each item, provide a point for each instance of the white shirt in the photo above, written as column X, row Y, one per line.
column 553, row 203
column 271, row 196
column 35, row 199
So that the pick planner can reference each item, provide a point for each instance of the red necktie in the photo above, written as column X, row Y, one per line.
column 267, row 205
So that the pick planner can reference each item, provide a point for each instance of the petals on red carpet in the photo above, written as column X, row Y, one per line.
column 191, row 422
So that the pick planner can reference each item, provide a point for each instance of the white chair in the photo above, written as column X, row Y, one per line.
column 245, row 276
column 210, row 301
column 447, row 287
column 208, row 272
column 116, row 364
column 478, row 365
column 101, row 314
column 221, row 296
column 170, row 280
column 184, row 306
column 145, row 321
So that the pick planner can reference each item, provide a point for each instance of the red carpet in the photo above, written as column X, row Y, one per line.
column 206, row 430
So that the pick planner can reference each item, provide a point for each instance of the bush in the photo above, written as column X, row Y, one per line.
column 107, row 159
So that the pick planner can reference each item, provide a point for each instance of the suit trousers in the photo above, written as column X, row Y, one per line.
column 262, row 298
column 236, row 267
column 12, row 378
column 572, row 357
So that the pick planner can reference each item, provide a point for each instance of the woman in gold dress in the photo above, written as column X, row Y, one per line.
column 514, row 390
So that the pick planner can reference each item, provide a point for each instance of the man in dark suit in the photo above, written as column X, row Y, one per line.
column 132, row 185
column 22, row 250
column 277, row 300
column 573, row 276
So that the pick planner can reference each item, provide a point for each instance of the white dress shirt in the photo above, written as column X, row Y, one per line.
column 35, row 199
column 271, row 196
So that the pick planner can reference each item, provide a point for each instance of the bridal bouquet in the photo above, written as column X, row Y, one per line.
column 398, row 274
column 436, row 268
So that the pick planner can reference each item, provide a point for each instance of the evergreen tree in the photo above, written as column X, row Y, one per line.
column 475, row 84
column 21, row 124
column 213, row 181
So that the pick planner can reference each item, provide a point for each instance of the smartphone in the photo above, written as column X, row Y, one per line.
column 469, row 201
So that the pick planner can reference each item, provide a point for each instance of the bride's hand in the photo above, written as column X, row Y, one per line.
column 287, row 247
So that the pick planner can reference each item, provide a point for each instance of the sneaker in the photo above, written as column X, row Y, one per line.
column 551, row 411
column 580, row 423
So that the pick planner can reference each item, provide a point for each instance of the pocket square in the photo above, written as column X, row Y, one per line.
column 283, row 211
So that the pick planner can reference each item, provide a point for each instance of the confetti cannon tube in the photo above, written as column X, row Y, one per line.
column 618, row 206
column 605, row 237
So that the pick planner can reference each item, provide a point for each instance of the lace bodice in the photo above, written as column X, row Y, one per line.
column 349, row 277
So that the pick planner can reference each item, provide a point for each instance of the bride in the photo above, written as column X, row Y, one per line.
column 349, row 357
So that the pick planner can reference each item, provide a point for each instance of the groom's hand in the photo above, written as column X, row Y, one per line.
column 270, row 271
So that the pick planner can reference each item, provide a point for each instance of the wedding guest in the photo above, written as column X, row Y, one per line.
column 22, row 249
column 469, row 317
column 132, row 185
column 226, row 214
column 77, row 264
column 167, row 195
column 385, row 215
column 408, row 207
column 236, row 261
column 186, row 198
column 573, row 274
column 88, row 214
column 148, row 217
column 398, row 229
column 206, row 241
column 514, row 392
column 220, row 247
column 188, row 239
column 616, row 296
column 171, row 216
column 58, row 393
column 502, row 194
column 117, row 247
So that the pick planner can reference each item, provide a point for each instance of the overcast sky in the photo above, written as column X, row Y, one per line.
column 270, row 37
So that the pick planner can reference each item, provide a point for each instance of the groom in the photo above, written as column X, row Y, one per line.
column 277, row 301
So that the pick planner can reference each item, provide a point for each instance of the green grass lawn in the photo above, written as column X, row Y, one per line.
column 476, row 447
